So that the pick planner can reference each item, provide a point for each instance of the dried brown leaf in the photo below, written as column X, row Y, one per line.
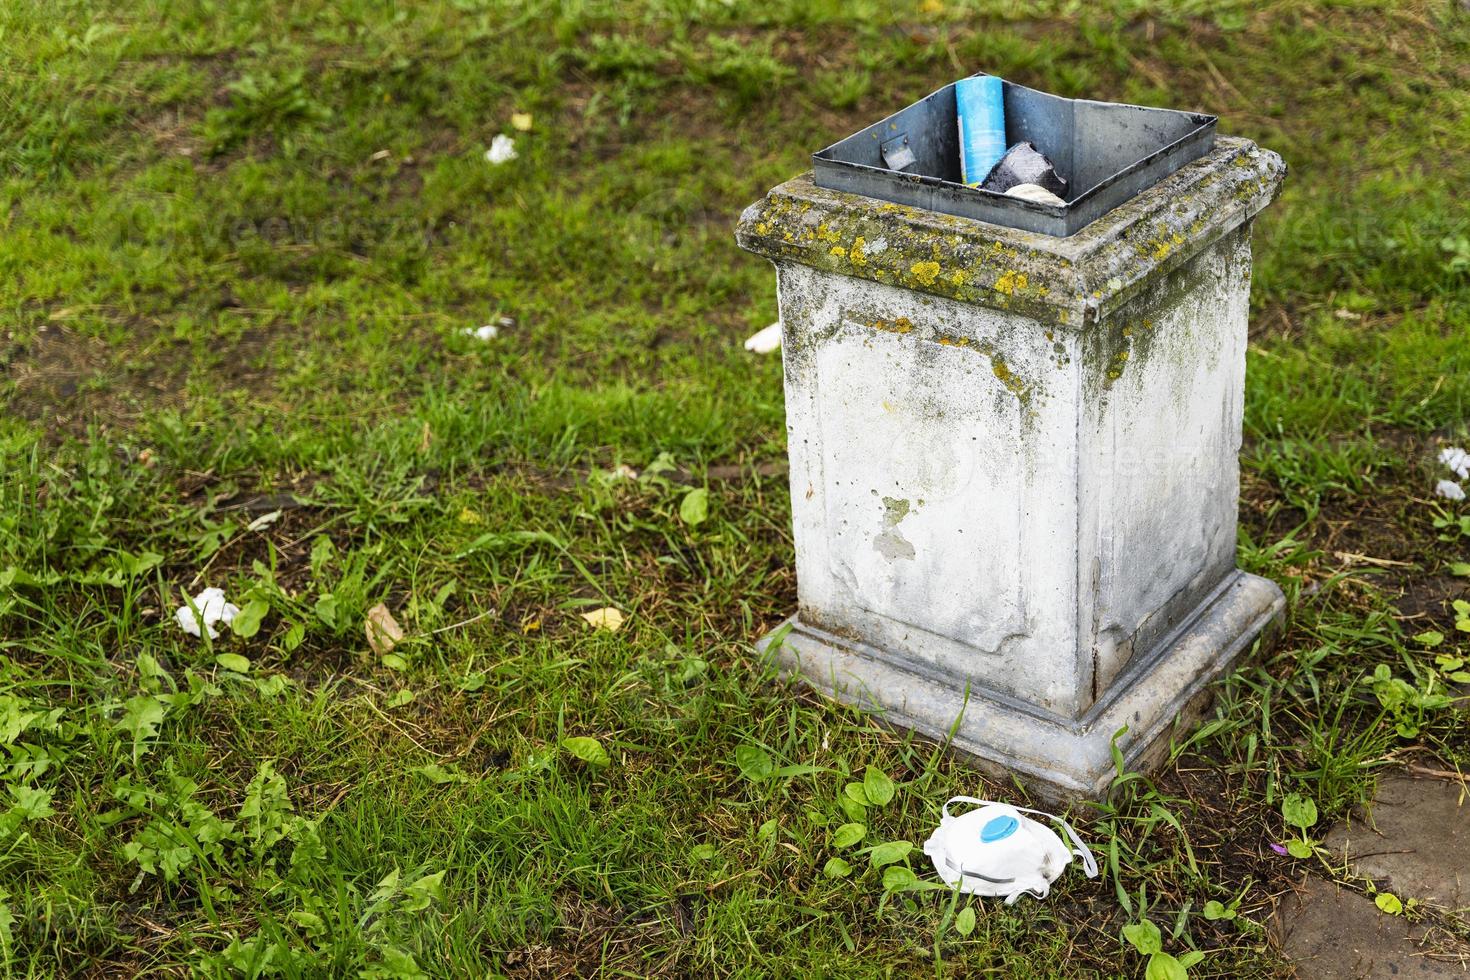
column 607, row 618
column 383, row 631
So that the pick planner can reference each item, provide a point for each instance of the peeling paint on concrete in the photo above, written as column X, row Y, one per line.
column 890, row 542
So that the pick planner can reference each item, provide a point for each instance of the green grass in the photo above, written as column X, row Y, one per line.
column 240, row 245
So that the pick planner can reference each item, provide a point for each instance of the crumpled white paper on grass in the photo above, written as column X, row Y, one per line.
column 765, row 341
column 502, row 150
column 1456, row 459
column 213, row 609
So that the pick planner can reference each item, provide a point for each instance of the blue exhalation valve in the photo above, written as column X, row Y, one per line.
column 998, row 829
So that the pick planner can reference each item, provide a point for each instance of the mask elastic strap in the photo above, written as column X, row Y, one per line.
column 1089, row 863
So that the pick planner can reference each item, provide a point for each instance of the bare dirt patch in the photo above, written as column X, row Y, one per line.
column 67, row 379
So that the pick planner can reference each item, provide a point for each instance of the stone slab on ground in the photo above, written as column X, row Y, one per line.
column 1332, row 933
column 1416, row 836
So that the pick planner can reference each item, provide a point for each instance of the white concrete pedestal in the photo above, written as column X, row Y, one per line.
column 1014, row 463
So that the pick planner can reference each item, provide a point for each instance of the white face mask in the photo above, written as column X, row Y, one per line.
column 996, row 851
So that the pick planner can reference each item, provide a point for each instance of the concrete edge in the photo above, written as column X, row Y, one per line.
column 1069, row 282
column 1059, row 760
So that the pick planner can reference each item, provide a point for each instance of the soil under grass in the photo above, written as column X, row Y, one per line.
column 241, row 246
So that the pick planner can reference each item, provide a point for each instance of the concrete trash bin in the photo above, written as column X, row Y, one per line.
column 1014, row 470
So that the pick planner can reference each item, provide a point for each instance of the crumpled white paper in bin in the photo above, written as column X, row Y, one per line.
column 213, row 609
column 1035, row 192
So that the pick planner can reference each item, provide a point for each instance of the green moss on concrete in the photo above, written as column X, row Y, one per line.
column 1129, row 337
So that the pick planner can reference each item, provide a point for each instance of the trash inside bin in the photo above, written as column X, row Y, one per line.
column 1106, row 152
column 1025, row 164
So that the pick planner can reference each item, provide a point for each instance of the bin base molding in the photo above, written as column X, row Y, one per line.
column 1058, row 759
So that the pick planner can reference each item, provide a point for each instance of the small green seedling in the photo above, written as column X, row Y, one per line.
column 888, row 852
column 1216, row 911
column 836, row 867
column 1145, row 937
column 754, row 763
column 1300, row 812
column 1453, row 527
column 694, row 508
column 1453, row 668
column 588, row 749
column 877, row 787
column 1406, row 704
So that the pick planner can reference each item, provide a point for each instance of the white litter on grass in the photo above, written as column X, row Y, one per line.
column 502, row 150
column 1456, row 459
column 1449, row 490
column 765, row 341
column 490, row 330
column 212, row 608
column 1035, row 192
column 995, row 850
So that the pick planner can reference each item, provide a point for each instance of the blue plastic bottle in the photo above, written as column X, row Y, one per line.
column 982, row 121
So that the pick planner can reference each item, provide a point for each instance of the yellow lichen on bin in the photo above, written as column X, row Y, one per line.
column 900, row 325
column 1007, row 377
column 1163, row 246
column 925, row 272
column 1010, row 282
